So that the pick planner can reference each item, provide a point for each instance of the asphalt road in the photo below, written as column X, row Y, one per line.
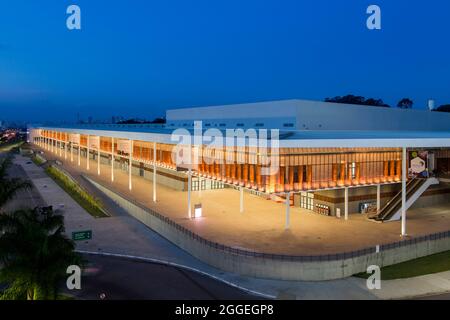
column 118, row 278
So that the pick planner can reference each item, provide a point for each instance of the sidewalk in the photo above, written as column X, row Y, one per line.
column 122, row 234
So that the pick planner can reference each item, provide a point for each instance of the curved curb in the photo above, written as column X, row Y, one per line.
column 177, row 265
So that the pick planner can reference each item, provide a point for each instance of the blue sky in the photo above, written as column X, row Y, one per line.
column 138, row 58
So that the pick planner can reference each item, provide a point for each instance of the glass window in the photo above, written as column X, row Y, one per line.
column 353, row 170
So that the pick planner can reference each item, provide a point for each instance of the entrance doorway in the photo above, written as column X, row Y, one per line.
column 198, row 185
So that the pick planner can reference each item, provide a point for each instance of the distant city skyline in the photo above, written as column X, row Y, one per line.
column 139, row 60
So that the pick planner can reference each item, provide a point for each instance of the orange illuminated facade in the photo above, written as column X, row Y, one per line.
column 299, row 169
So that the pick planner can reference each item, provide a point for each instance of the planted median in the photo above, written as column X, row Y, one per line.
column 92, row 205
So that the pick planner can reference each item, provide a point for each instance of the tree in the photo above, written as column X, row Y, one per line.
column 351, row 99
column 443, row 108
column 405, row 103
column 34, row 253
column 9, row 186
column 159, row 120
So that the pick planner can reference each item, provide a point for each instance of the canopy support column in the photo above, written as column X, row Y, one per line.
column 154, row 171
column 130, row 165
column 112, row 159
column 346, row 204
column 79, row 154
column 404, row 192
column 98, row 157
column 189, row 193
column 87, row 153
column 378, row 197
column 288, row 213
column 241, row 203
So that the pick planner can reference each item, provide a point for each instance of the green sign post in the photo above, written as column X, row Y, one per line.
column 82, row 235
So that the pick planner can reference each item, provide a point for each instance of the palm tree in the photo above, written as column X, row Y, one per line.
column 9, row 186
column 34, row 253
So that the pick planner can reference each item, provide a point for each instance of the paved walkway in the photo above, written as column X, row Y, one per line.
column 431, row 284
column 123, row 235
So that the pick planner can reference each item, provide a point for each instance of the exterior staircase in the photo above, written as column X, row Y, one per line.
column 392, row 211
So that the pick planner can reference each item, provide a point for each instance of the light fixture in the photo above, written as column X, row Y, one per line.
column 198, row 210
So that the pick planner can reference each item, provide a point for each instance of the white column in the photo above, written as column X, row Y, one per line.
column 60, row 149
column 130, row 165
column 71, row 151
column 79, row 153
column 98, row 157
column 241, row 203
column 288, row 213
column 404, row 192
column 154, row 171
column 65, row 150
column 378, row 197
column 189, row 192
column 112, row 159
column 87, row 153
column 346, row 204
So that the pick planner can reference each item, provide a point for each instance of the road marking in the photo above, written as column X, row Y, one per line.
column 173, row 264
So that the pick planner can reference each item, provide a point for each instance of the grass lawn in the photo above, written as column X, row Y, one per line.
column 438, row 262
column 84, row 199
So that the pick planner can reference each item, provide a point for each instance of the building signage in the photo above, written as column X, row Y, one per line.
column 74, row 138
column 94, row 142
column 123, row 146
column 418, row 164
column 82, row 235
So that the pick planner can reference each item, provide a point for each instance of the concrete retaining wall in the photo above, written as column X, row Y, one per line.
column 286, row 268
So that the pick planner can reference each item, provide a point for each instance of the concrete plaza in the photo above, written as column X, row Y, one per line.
column 261, row 227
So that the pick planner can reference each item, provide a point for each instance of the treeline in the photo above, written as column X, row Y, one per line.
column 405, row 103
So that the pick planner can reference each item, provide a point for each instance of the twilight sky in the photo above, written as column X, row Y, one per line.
column 138, row 58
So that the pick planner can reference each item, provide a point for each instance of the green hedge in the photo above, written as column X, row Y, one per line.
column 84, row 199
column 37, row 160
